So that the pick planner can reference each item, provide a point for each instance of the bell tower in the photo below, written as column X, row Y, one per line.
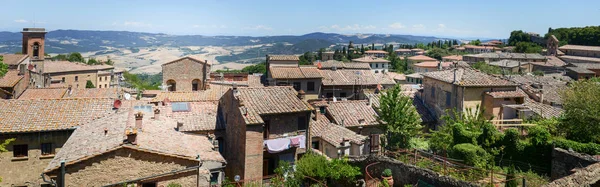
column 33, row 43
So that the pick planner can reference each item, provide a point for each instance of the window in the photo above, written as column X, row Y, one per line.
column 506, row 99
column 310, row 86
column 301, row 123
column 214, row 178
column 100, row 86
column 195, row 84
column 179, row 107
column 105, row 86
column 172, row 85
column 47, row 149
column 63, row 80
column 266, row 129
column 76, row 78
column 343, row 94
column 322, row 109
column 448, row 99
column 315, row 145
column 329, row 95
column 433, row 92
column 20, row 150
column 296, row 86
column 376, row 65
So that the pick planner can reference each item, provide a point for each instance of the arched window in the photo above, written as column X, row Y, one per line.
column 36, row 50
column 195, row 84
column 172, row 85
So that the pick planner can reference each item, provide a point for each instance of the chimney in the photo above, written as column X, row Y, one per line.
column 156, row 114
column 131, row 136
column 138, row 120
column 454, row 79
column 234, row 87
column 519, row 66
column 370, row 100
column 204, row 77
column 179, row 125
column 301, row 94
column 69, row 90
column 542, row 96
column 440, row 66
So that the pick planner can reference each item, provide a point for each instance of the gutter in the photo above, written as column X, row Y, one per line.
column 162, row 174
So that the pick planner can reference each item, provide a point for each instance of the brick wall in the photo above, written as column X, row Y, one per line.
column 21, row 171
column 183, row 72
column 127, row 164
column 82, row 78
column 563, row 162
column 235, row 139
column 284, row 124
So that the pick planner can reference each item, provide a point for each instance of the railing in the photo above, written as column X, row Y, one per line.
column 518, row 124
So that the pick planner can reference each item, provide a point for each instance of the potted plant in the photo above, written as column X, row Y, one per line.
column 387, row 175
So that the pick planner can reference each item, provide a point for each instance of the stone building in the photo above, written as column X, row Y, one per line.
column 376, row 53
column 513, row 66
column 491, row 57
column 452, row 58
column 460, row 89
column 280, row 61
column 305, row 78
column 348, row 83
column 378, row 65
column 68, row 74
column 429, row 66
column 327, row 55
column 16, row 79
column 403, row 52
column 552, row 46
column 335, row 141
column 186, row 74
column 263, row 126
column 40, row 128
column 420, row 58
column 480, row 49
column 33, row 43
column 136, row 148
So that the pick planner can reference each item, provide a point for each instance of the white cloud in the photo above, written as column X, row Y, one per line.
column 21, row 21
column 258, row 27
column 441, row 26
column 354, row 27
column 397, row 25
column 418, row 26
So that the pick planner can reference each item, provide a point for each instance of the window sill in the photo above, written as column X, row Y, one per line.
column 19, row 158
column 47, row 156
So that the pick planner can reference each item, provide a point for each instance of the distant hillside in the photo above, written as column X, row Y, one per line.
column 64, row 41
column 307, row 45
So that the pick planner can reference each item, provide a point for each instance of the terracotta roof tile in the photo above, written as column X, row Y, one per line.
column 284, row 58
column 188, row 58
column 370, row 59
column 270, row 100
column 581, row 70
column 343, row 65
column 214, row 93
column 508, row 63
column 43, row 93
column 332, row 133
column 402, row 50
column 526, row 56
column 468, row 77
column 552, row 87
column 202, row 116
column 93, row 93
column 421, row 58
column 453, row 58
column 580, row 47
column 13, row 59
column 350, row 113
column 66, row 66
column 10, row 79
column 552, row 62
column 295, row 72
column 51, row 114
column 505, row 94
column 156, row 137
column 432, row 64
column 354, row 77
column 580, row 58
column 376, row 52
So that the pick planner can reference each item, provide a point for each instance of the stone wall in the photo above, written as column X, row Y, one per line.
column 563, row 162
column 588, row 176
column 184, row 72
column 406, row 174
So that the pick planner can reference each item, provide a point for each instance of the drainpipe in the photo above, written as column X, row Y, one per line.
column 48, row 181
column 62, row 173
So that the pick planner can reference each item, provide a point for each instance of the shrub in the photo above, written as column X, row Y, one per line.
column 387, row 173
column 174, row 185
column 539, row 136
column 471, row 154
column 461, row 135
column 510, row 177
column 587, row 148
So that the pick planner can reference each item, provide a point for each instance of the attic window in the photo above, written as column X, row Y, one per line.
column 180, row 107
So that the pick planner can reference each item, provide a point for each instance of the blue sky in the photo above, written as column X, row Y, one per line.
column 459, row 18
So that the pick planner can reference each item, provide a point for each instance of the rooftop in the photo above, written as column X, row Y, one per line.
column 533, row 56
column 402, row 50
column 155, row 136
column 93, row 93
column 479, row 47
column 580, row 47
column 332, row 133
column 508, row 63
column 269, row 100
column 594, row 66
column 432, row 64
column 351, row 113
column 453, row 57
column 302, row 72
column 533, row 85
column 580, row 70
column 376, row 52
column 51, row 114
column 369, row 59
column 506, row 94
column 552, row 62
column 13, row 59
column 421, row 58
column 188, row 58
column 396, row 76
column 43, row 93
column 10, row 79
column 590, row 59
column 468, row 77
column 354, row 77
column 342, row 65
column 66, row 66
column 201, row 116
column 424, row 113
column 283, row 58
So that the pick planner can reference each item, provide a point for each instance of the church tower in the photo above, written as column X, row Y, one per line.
column 33, row 43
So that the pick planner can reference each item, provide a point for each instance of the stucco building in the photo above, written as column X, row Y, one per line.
column 349, row 83
column 513, row 66
column 378, row 65
column 376, row 53
column 491, row 57
column 186, row 74
column 327, row 55
column 305, row 78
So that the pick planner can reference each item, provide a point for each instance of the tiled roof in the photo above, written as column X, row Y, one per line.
column 369, row 59
column 51, row 114
column 301, row 72
column 544, row 110
column 402, row 50
column 253, row 81
column 332, row 133
column 155, row 137
column 552, row 87
column 468, row 77
column 214, row 93
column 43, row 93
column 10, row 79
column 342, row 65
column 93, row 93
column 505, row 94
column 415, row 75
column 202, row 116
column 580, row 58
column 66, row 66
column 552, row 62
column 594, row 66
column 188, row 58
column 432, row 64
column 354, row 77
column 283, row 58
column 349, row 113
column 421, row 58
column 479, row 47
column 424, row 113
column 453, row 57
column 396, row 76
column 508, row 63
column 580, row 47
column 417, row 49
column 376, row 52
column 533, row 56
column 581, row 70
column 13, row 59
column 270, row 100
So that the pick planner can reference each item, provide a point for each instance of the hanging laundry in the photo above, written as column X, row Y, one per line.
column 277, row 145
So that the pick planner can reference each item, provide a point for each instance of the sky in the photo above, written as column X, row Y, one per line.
column 442, row 18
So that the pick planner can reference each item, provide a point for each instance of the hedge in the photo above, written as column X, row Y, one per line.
column 587, row 148
column 471, row 154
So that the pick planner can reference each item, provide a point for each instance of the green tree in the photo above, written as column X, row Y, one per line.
column 307, row 58
column 373, row 46
column 518, row 36
column 362, row 49
column 320, row 54
column 172, row 184
column 486, row 68
column 89, row 84
column 60, row 57
column 527, row 47
column 398, row 117
column 75, row 57
column 3, row 67
column 93, row 61
column 336, row 171
column 437, row 53
column 581, row 103
column 256, row 68
column 475, row 42
column 3, row 147
column 511, row 180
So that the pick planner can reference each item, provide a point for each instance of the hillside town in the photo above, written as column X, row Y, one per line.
column 381, row 115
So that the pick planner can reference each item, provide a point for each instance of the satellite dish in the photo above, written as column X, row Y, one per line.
column 127, row 96
column 117, row 104
column 236, row 178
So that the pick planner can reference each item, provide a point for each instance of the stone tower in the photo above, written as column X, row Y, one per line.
column 33, row 43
